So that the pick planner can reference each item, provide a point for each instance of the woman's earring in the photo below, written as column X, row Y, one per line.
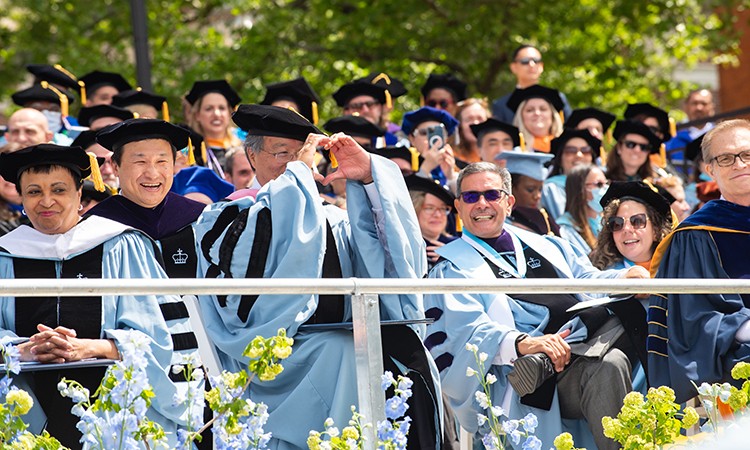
column 23, row 212
column 80, row 207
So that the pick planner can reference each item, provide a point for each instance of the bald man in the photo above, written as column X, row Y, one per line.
column 27, row 127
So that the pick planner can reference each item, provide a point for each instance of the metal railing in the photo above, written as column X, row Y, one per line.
column 366, row 315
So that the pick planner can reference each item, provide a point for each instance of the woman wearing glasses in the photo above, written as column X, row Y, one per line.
column 636, row 218
column 572, row 148
column 429, row 129
column 584, row 188
column 629, row 160
column 538, row 115
column 471, row 111
column 433, row 204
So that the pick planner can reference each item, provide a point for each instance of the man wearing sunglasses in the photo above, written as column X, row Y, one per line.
column 534, row 348
column 527, row 66
column 695, row 338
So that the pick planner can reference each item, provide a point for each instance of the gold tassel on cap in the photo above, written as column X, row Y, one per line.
column 191, row 154
column 388, row 100
column 65, row 71
column 83, row 92
column 165, row 111
column 562, row 116
column 421, row 100
column 414, row 159
column 204, row 152
column 522, row 141
column 314, row 107
column 459, row 224
column 672, row 127
column 383, row 77
column 96, row 175
column 332, row 157
column 63, row 98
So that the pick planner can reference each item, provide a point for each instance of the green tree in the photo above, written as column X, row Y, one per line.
column 598, row 53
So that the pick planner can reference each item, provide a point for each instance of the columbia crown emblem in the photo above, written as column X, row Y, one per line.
column 534, row 263
column 180, row 257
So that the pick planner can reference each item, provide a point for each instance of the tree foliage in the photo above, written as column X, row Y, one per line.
column 602, row 53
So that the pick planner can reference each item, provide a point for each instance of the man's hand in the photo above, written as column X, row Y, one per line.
column 354, row 161
column 309, row 148
column 553, row 345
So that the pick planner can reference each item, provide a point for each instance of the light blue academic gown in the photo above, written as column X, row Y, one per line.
column 553, row 195
column 475, row 319
column 318, row 380
column 127, row 253
column 569, row 232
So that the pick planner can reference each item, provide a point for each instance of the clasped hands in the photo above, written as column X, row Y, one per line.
column 61, row 345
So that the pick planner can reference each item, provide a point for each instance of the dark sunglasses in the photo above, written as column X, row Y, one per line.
column 570, row 149
column 527, row 61
column 637, row 221
column 442, row 103
column 631, row 145
column 490, row 195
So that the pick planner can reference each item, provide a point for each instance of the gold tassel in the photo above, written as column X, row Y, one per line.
column 190, row 155
column 63, row 98
column 421, row 100
column 332, row 157
column 388, row 101
column 414, row 159
column 204, row 152
column 459, row 224
column 83, row 92
column 672, row 127
column 165, row 111
column 314, row 113
column 522, row 141
column 382, row 76
column 545, row 216
column 562, row 116
column 65, row 71
column 96, row 175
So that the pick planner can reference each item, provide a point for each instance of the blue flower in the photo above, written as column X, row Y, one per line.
column 387, row 380
column 530, row 423
column 532, row 443
column 395, row 407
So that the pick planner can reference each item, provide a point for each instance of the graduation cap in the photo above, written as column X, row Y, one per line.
column 115, row 136
column 355, row 89
column 354, row 125
column 530, row 164
column 693, row 149
column 89, row 192
column 639, row 191
column 201, row 88
column 90, row 114
column 624, row 127
column 579, row 115
column 666, row 124
column 12, row 165
column 141, row 97
column 53, row 74
column 427, row 113
column 201, row 180
column 85, row 139
column 199, row 145
column 267, row 120
column 410, row 155
column 392, row 85
column 96, row 79
column 430, row 186
column 298, row 91
column 38, row 93
column 445, row 81
column 558, row 143
column 552, row 96
column 492, row 124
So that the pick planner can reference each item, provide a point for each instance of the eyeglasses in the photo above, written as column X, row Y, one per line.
column 728, row 159
column 442, row 103
column 283, row 156
column 598, row 184
column 571, row 150
column 644, row 147
column 527, row 61
column 430, row 210
column 655, row 130
column 489, row 195
column 637, row 221
column 359, row 105
column 427, row 130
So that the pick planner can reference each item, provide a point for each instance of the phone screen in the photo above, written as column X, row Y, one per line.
column 436, row 136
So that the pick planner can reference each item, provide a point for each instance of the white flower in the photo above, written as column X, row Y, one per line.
column 497, row 411
column 481, row 419
column 483, row 356
column 470, row 372
column 471, row 347
column 482, row 399
column 491, row 379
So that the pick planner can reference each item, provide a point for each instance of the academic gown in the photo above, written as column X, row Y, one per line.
column 692, row 336
column 553, row 195
column 486, row 319
column 376, row 237
column 95, row 248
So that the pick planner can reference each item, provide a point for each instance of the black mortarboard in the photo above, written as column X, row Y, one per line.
column 89, row 114
column 394, row 86
column 430, row 186
column 623, row 127
column 37, row 93
column 559, row 142
column 85, row 139
column 536, row 91
column 492, row 124
column 300, row 92
column 354, row 125
column 116, row 135
column 53, row 74
column 649, row 110
column 693, row 149
column 640, row 191
column 89, row 192
column 407, row 154
column 446, row 81
column 15, row 163
column 96, row 79
column 267, row 120
column 201, row 88
column 579, row 115
column 138, row 97
column 354, row 89
column 199, row 146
